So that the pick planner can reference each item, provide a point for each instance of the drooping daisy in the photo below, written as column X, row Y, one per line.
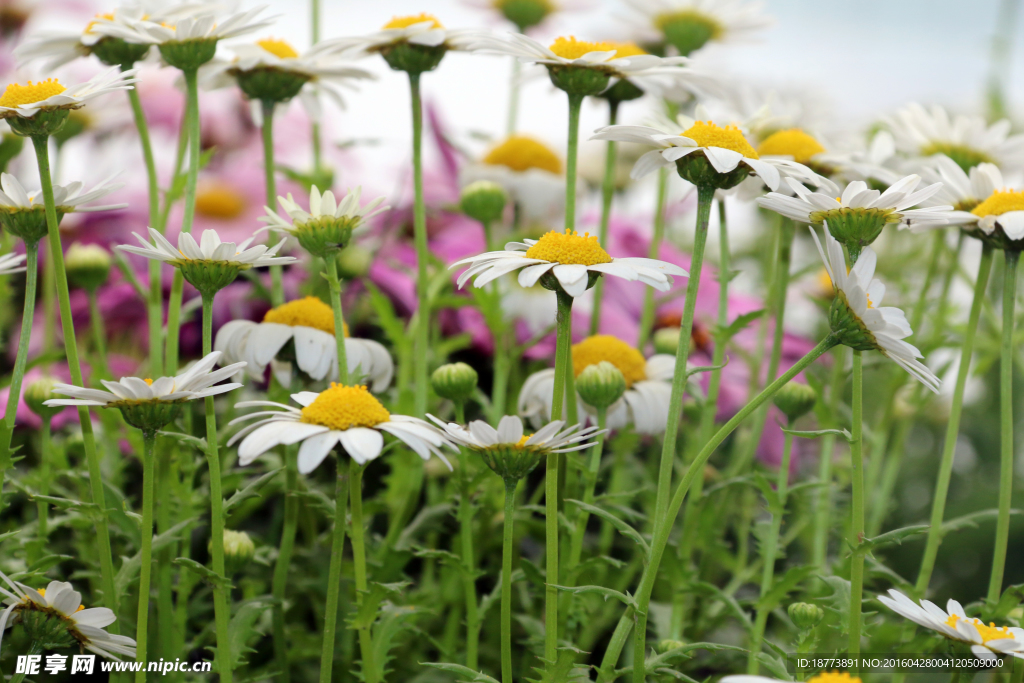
column 328, row 225
column 569, row 261
column 987, row 641
column 530, row 171
column 11, row 264
column 856, row 318
column 346, row 415
column 648, row 384
column 59, row 602
column 967, row 140
column 309, row 325
column 688, row 25
column 26, row 101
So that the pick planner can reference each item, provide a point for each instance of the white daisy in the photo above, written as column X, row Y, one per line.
column 67, row 198
column 857, row 320
column 26, row 101
column 1003, row 210
column 346, row 415
column 690, row 24
column 60, row 599
column 309, row 324
column 875, row 163
column 209, row 250
column 858, row 202
column 569, row 260
column 208, row 25
column 11, row 264
column 648, row 385
column 967, row 140
column 987, row 641
column 328, row 224
column 420, row 29
column 964, row 191
column 528, row 170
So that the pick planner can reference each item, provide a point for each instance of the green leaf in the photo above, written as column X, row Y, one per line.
column 459, row 670
column 1008, row 601
column 726, row 599
column 242, row 629
column 367, row 612
column 838, row 603
column 202, row 571
column 624, row 598
column 971, row 520
column 814, row 434
column 789, row 581
column 736, row 326
column 130, row 567
column 775, row 666
column 388, row 320
column 251, row 490
column 420, row 523
column 889, row 537
column 682, row 652
column 563, row 669
column 393, row 620
column 621, row 526
column 187, row 439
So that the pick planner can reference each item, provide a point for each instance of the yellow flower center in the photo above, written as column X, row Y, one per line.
column 412, row 19
column 707, row 134
column 1000, row 202
column 987, row 633
column 521, row 153
column 16, row 94
column 109, row 16
column 825, row 282
column 307, row 312
column 342, row 407
column 604, row 347
column 793, row 142
column 567, row 47
column 833, row 677
column 569, row 248
column 278, row 48
column 42, row 592
column 220, row 200
column 148, row 381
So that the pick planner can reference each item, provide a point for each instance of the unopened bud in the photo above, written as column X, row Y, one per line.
column 354, row 261
column 483, row 201
column 238, row 551
column 795, row 400
column 601, row 385
column 805, row 615
column 87, row 266
column 455, row 381
column 666, row 340
column 39, row 391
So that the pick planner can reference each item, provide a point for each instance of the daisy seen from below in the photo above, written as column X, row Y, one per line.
column 328, row 224
column 413, row 43
column 856, row 318
column 23, row 213
column 987, row 641
column 688, row 25
column 42, row 108
column 967, row 140
column 648, row 385
column 529, row 170
column 525, row 14
column 54, row 617
column 302, row 332
column 12, row 263
column 998, row 218
column 963, row 190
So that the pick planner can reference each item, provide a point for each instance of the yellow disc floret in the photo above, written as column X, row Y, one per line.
column 707, row 134
column 412, row 19
column 106, row 16
column 307, row 312
column 568, row 47
column 833, row 677
column 569, row 248
column 1000, row 202
column 793, row 142
column 278, row 48
column 16, row 95
column 521, row 153
column 220, row 200
column 342, row 407
column 604, row 347
column 987, row 633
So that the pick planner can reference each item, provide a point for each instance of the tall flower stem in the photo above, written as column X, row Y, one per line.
column 279, row 582
column 359, row 564
column 221, row 606
column 334, row 574
column 647, row 314
column 422, row 333
column 276, row 284
column 314, row 128
column 823, row 504
column 571, row 152
column 513, row 99
column 506, row 580
column 607, row 195
column 75, row 369
column 45, row 458
column 663, row 527
column 931, row 548
column 769, row 553
column 856, row 501
column 99, row 336
column 468, row 554
column 339, row 320
column 593, row 467
column 995, row 583
column 192, row 181
column 146, row 551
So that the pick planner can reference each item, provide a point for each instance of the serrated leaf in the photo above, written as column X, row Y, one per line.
column 467, row 674
column 191, row 441
column 624, row 598
column 1008, row 601
column 838, row 603
column 669, row 656
column 726, row 599
column 971, row 520
column 890, row 537
column 425, row 517
column 563, row 669
column 736, row 326
column 621, row 526
column 242, row 629
column 366, row 614
column 814, row 434
column 251, row 490
column 393, row 620
column 130, row 568
column 782, row 587
column 202, row 571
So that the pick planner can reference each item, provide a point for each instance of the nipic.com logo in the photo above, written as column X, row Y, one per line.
column 36, row 665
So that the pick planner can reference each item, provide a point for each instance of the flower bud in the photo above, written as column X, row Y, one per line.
column 665, row 645
column 39, row 391
column 805, row 615
column 601, row 385
column 87, row 266
column 666, row 340
column 795, row 400
column 483, row 201
column 455, row 381
column 189, row 54
column 238, row 551
column 354, row 261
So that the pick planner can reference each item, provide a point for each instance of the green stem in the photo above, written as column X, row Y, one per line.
column 506, row 580
column 857, row 502
column 995, row 584
column 422, row 335
column 276, row 284
column 146, row 552
column 339, row 318
column 607, row 195
column 221, row 605
column 576, row 544
column 647, row 314
column 99, row 336
column 571, row 152
column 166, row 476
column 44, row 476
column 359, row 565
column 823, row 506
column 21, row 360
column 34, row 649
column 282, row 565
column 468, row 554
column 334, row 574
column 663, row 530
column 110, row 595
column 513, row 103
column 931, row 548
column 314, row 15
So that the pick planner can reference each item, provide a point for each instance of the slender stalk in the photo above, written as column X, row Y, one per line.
column 857, row 502
column 931, row 548
column 422, row 333
column 166, row 477
column 823, row 505
column 276, row 284
column 662, row 530
column 110, row 596
column 279, row 582
column 359, row 564
column 314, row 15
column 334, row 574
column 575, row 104
column 20, row 361
column 221, row 606
column 45, row 457
column 607, row 195
column 647, row 314
column 99, row 335
column 146, row 552
column 995, row 583
column 339, row 318
column 594, row 466
column 513, row 100
column 506, row 580
column 192, row 181
column 468, row 554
